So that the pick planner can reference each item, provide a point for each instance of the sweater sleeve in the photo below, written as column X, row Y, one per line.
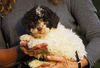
column 85, row 15
column 2, row 42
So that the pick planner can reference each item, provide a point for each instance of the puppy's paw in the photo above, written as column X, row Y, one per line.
column 26, row 37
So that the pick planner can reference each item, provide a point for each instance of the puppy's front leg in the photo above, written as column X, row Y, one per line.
column 26, row 37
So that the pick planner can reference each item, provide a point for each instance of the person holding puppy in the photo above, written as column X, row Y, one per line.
column 71, row 12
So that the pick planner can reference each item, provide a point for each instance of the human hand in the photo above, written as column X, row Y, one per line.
column 64, row 63
column 33, row 51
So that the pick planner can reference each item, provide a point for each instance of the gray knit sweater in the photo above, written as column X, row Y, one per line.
column 71, row 13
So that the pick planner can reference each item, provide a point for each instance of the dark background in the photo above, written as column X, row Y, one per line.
column 97, row 5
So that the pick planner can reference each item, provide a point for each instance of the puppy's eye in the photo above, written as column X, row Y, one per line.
column 46, row 23
column 32, row 24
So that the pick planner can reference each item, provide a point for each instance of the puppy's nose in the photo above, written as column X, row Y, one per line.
column 39, row 28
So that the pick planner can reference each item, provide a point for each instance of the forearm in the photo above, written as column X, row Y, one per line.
column 85, row 14
column 8, row 56
column 93, row 50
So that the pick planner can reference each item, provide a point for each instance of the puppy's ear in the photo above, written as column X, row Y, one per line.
column 54, row 20
column 26, row 22
column 29, row 18
column 50, row 16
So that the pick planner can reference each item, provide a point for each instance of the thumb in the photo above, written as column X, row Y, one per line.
column 56, row 58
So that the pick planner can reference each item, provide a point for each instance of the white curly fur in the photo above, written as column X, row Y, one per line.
column 61, row 42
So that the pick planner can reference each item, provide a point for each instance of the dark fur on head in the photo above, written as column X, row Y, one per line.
column 31, row 18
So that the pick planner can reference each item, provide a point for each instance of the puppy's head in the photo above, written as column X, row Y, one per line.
column 39, row 20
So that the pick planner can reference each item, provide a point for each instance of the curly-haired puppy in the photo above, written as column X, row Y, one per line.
column 39, row 19
column 43, row 24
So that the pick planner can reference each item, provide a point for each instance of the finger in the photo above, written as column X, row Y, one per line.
column 42, row 45
column 25, row 50
column 23, row 43
column 31, row 54
column 43, row 49
column 59, row 65
column 39, row 47
column 56, row 58
column 44, row 67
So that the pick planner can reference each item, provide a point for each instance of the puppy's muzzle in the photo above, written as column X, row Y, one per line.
column 39, row 28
